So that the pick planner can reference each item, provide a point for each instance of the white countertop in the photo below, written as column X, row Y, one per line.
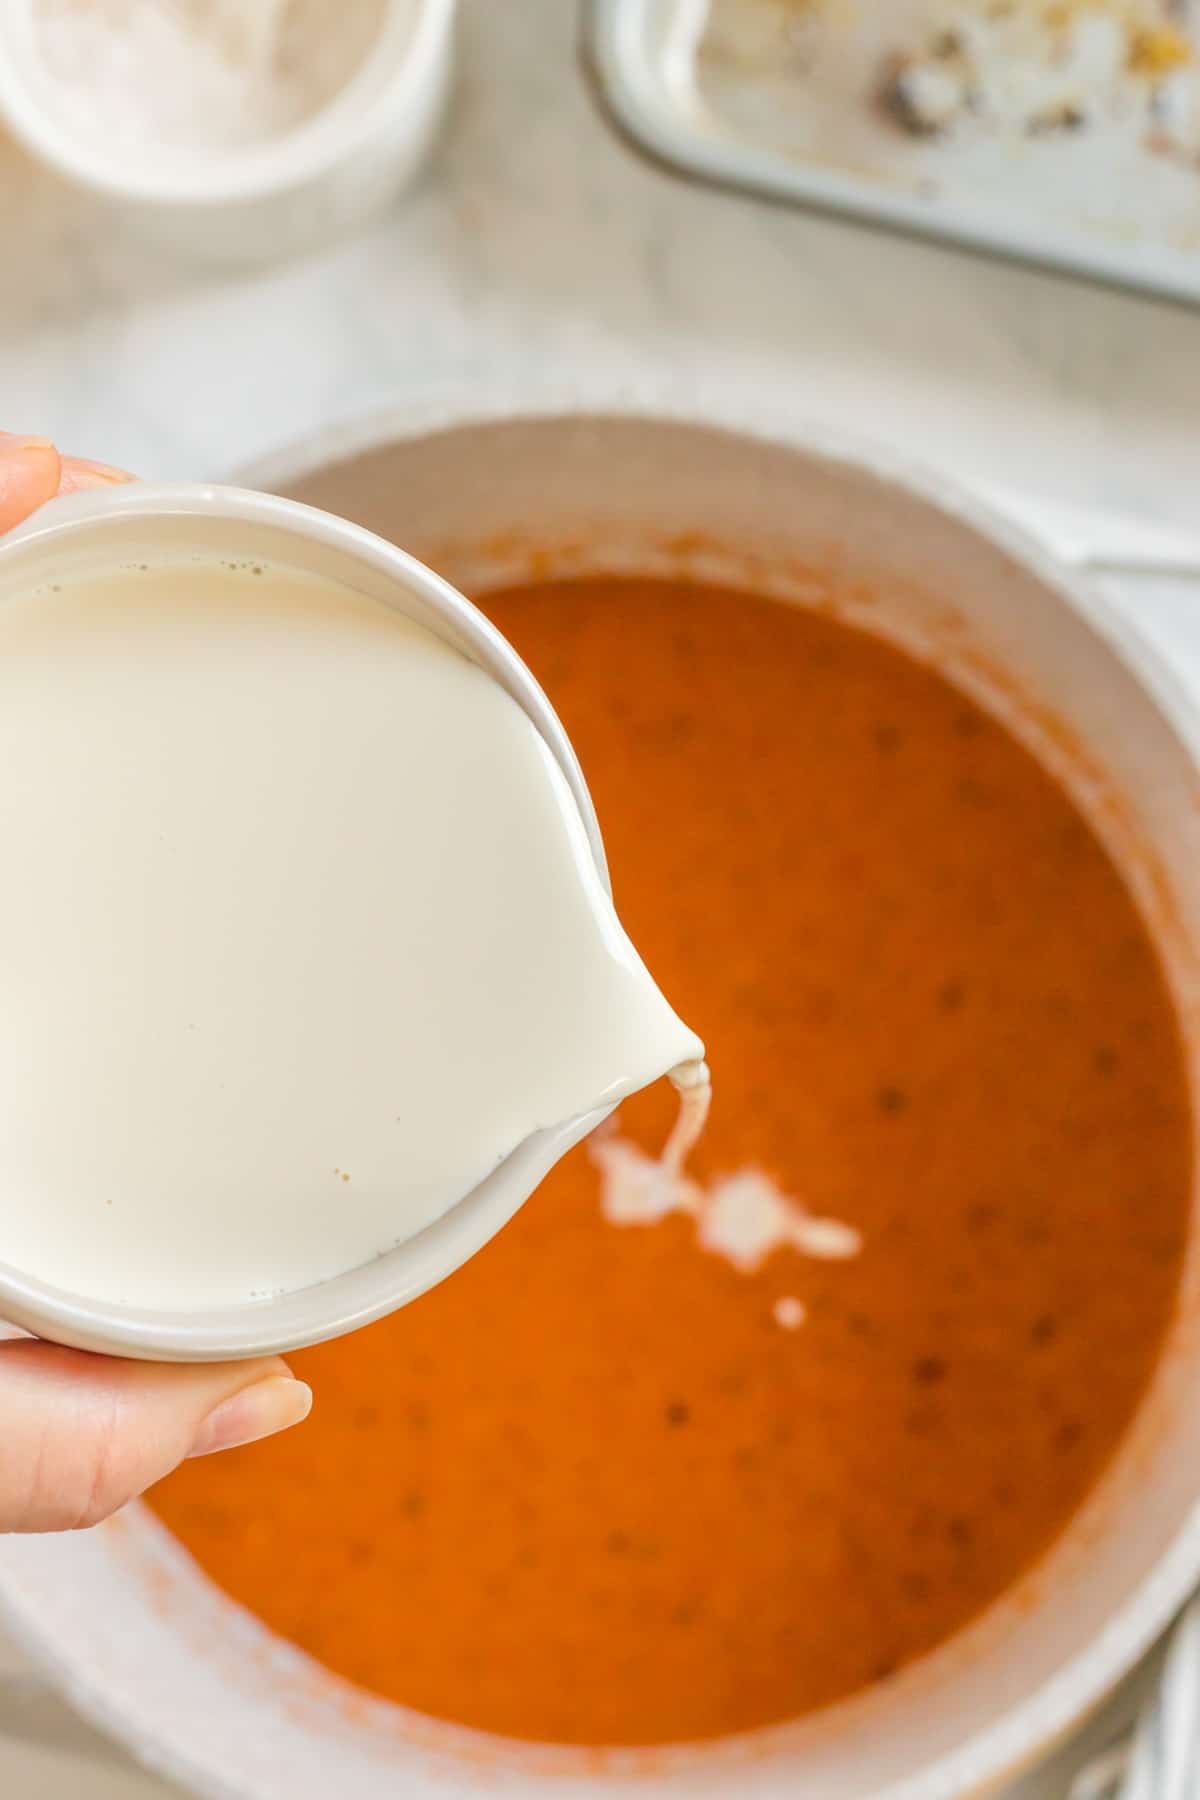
column 538, row 238
column 539, row 242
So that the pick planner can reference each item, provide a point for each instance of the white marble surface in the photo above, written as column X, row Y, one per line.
column 538, row 238
column 537, row 241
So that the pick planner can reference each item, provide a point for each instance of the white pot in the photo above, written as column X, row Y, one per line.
column 141, row 1641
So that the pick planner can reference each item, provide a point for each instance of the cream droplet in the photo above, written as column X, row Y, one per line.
column 743, row 1217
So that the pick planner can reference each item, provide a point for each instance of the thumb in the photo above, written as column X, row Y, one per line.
column 30, row 470
column 80, row 1435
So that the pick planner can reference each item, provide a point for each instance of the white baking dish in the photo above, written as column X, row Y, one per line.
column 727, row 90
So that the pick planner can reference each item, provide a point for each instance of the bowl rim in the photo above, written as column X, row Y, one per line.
column 657, row 401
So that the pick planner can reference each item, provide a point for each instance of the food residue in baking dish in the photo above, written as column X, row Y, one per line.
column 1063, row 130
column 1042, row 66
column 945, row 68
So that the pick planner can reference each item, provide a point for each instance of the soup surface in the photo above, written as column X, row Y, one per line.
column 601, row 1486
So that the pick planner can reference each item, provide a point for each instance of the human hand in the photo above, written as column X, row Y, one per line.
column 81, row 1434
column 32, row 472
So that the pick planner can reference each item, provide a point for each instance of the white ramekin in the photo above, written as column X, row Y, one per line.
column 126, row 522
column 274, row 199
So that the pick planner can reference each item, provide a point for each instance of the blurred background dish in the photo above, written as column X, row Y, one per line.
column 239, row 132
column 1065, row 134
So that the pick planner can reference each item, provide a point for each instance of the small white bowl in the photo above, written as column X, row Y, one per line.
column 267, row 200
column 139, row 520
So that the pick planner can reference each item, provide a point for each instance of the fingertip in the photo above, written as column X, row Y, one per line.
column 30, row 471
column 80, row 1434
column 258, row 1411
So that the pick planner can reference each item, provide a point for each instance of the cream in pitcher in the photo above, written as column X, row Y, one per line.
column 301, row 934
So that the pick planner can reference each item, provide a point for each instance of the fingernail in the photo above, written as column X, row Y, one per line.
column 98, row 471
column 257, row 1412
column 77, row 474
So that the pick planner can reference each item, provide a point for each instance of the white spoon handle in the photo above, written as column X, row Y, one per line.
column 1106, row 543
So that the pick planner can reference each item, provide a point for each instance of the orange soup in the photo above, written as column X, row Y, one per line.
column 604, row 1487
